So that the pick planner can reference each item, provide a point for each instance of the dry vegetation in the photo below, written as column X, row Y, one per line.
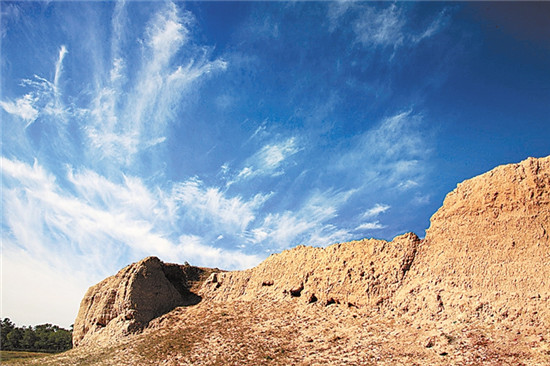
column 19, row 355
column 284, row 333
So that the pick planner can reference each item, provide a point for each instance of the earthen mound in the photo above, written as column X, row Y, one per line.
column 357, row 273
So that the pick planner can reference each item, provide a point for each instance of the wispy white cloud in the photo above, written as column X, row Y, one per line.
column 284, row 228
column 161, row 84
column 103, row 193
column 261, row 132
column 245, row 173
column 397, row 136
column 370, row 226
column 270, row 156
column 59, row 67
column 165, row 34
column 131, row 109
column 392, row 153
column 43, row 99
column 336, row 10
column 34, row 176
column 435, row 26
column 103, row 219
column 329, row 234
column 210, row 205
column 409, row 183
column 372, row 212
column 46, row 220
column 58, row 109
column 268, row 161
column 117, row 70
column 22, row 107
column 118, row 24
column 375, row 210
column 309, row 224
column 380, row 27
column 76, row 239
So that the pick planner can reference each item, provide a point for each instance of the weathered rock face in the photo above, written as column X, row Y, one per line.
column 485, row 263
column 486, row 254
column 486, row 257
column 358, row 273
column 126, row 302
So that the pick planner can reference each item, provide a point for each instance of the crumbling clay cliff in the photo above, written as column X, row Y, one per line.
column 486, row 255
column 126, row 302
column 357, row 273
column 476, row 289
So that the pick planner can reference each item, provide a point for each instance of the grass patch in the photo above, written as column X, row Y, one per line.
column 158, row 347
column 20, row 355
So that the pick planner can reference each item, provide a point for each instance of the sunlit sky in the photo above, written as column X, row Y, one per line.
column 219, row 133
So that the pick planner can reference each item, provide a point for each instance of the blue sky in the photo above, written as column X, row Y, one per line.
column 218, row 133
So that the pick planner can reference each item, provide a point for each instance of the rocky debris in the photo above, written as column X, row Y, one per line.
column 126, row 302
column 357, row 273
column 486, row 255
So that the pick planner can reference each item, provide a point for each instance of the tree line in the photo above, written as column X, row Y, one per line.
column 41, row 338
